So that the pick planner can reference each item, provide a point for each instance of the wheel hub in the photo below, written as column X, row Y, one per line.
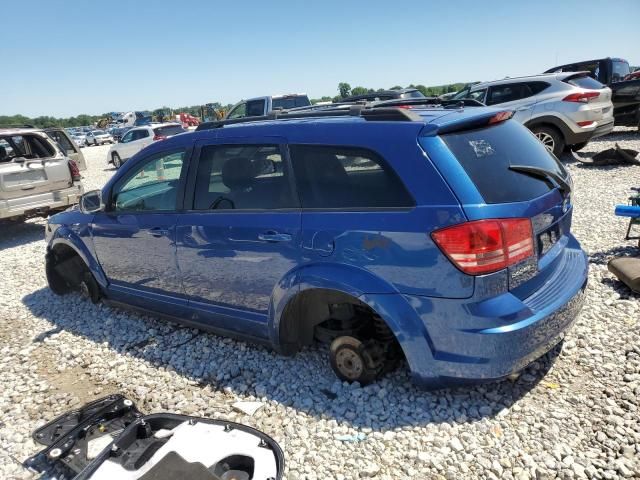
column 547, row 140
column 349, row 363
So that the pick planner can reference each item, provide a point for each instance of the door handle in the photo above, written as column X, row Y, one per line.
column 274, row 237
column 157, row 232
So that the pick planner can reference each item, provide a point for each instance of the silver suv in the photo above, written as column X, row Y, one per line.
column 562, row 109
column 36, row 177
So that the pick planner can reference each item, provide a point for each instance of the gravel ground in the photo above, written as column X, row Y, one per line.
column 572, row 414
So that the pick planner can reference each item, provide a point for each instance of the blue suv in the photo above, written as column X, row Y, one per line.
column 440, row 236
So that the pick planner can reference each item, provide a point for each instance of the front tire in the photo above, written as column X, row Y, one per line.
column 551, row 138
column 117, row 161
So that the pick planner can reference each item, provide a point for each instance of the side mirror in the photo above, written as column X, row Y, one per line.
column 91, row 202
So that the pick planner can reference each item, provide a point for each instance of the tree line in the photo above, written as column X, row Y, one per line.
column 344, row 90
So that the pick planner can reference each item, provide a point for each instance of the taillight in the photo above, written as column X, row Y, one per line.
column 485, row 246
column 159, row 137
column 500, row 117
column 74, row 170
column 584, row 97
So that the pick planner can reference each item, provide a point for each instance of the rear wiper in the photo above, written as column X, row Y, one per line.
column 552, row 177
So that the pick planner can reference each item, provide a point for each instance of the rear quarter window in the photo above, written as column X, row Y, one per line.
column 487, row 153
column 346, row 178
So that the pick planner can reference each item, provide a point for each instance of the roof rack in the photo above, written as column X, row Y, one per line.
column 464, row 102
column 390, row 114
column 17, row 126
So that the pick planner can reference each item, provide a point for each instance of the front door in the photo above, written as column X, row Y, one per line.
column 241, row 236
column 135, row 236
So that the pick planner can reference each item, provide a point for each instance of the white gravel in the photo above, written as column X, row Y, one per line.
column 579, row 420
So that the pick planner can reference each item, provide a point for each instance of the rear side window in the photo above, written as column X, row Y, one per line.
column 487, row 153
column 537, row 87
column 343, row 177
column 168, row 131
column 290, row 102
column 585, row 82
column 242, row 177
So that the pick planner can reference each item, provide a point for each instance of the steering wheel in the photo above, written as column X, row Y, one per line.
column 219, row 200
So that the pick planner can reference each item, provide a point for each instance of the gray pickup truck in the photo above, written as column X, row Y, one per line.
column 615, row 73
column 37, row 175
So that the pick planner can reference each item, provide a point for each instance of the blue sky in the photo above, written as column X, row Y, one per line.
column 66, row 57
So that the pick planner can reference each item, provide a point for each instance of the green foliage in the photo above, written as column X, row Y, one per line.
column 344, row 89
column 359, row 91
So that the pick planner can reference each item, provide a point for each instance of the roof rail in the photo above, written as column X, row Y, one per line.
column 17, row 126
column 464, row 102
column 379, row 114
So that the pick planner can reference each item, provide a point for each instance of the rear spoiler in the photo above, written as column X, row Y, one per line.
column 484, row 120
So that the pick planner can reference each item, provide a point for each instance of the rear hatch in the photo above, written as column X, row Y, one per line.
column 32, row 166
column 515, row 177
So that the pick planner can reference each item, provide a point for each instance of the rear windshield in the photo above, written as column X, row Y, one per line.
column 487, row 153
column 169, row 130
column 585, row 82
column 620, row 70
column 290, row 102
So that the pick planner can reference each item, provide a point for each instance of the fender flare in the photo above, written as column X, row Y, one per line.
column 380, row 296
column 65, row 236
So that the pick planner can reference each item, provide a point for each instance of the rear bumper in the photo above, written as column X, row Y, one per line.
column 41, row 203
column 483, row 339
column 603, row 128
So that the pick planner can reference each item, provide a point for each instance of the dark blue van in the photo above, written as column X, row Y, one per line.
column 435, row 235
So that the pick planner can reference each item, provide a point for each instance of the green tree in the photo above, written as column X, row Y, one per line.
column 359, row 91
column 345, row 89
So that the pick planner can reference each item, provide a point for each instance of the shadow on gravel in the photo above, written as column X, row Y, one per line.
column 602, row 258
column 304, row 382
column 13, row 234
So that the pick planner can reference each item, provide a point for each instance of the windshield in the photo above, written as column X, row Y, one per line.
column 620, row 70
column 98, row 132
column 487, row 155
column 290, row 102
column 412, row 94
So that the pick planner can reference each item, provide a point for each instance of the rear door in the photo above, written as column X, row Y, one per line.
column 61, row 137
column 33, row 166
column 241, row 233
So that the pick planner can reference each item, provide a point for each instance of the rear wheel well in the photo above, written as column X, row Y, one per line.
column 324, row 314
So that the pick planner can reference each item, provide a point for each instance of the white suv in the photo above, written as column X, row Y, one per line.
column 36, row 176
column 561, row 109
column 139, row 137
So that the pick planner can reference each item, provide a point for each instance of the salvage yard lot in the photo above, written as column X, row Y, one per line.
column 572, row 415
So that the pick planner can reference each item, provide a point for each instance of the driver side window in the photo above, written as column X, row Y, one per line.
column 151, row 186
column 126, row 138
